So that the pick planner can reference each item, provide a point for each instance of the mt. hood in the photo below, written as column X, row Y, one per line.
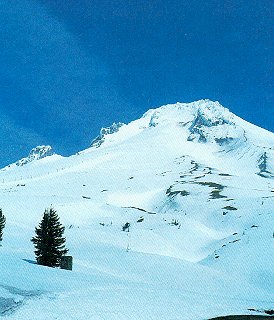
column 194, row 185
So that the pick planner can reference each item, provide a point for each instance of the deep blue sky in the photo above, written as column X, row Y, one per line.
column 67, row 68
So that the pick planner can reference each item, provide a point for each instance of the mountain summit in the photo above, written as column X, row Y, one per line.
column 203, row 122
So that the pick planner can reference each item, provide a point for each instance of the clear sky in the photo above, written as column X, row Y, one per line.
column 67, row 68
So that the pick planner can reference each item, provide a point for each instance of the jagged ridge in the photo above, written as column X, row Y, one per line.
column 36, row 153
column 99, row 140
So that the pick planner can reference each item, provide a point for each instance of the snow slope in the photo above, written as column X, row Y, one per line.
column 194, row 181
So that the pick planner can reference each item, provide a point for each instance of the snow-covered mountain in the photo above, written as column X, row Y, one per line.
column 195, row 183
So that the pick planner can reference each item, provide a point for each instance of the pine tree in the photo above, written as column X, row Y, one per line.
column 2, row 224
column 49, row 241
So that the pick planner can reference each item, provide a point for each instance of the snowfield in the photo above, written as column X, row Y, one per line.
column 196, row 184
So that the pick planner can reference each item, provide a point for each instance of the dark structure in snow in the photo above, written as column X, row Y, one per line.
column 66, row 262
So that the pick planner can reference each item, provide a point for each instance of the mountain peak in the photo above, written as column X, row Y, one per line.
column 205, row 120
column 36, row 153
column 208, row 111
column 202, row 121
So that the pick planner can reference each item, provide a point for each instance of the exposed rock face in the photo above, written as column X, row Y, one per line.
column 36, row 153
column 104, row 132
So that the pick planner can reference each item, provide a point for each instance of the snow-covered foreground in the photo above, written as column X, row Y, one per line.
column 195, row 183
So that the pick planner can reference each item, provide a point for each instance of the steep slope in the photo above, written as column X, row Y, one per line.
column 195, row 183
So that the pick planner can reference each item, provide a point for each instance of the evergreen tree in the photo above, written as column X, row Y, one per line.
column 2, row 224
column 49, row 241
